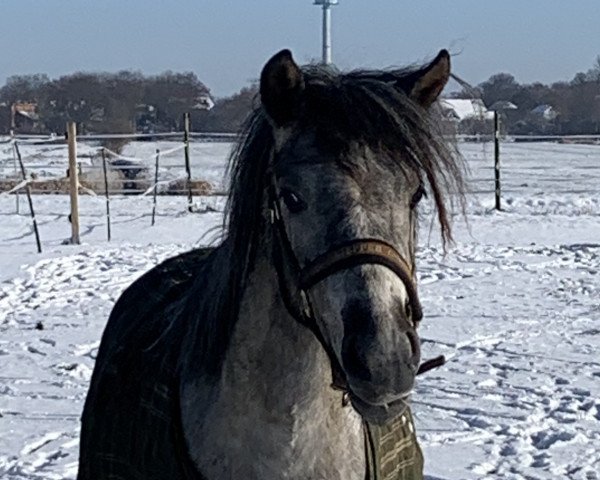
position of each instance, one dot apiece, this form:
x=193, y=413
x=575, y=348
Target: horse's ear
x=281, y=86
x=425, y=85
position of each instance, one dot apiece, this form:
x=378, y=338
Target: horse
x=290, y=349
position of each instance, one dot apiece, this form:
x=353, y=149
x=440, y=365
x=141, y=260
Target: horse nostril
x=415, y=347
x=354, y=360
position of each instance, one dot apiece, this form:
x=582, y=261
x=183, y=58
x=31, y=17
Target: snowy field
x=49, y=161
x=514, y=305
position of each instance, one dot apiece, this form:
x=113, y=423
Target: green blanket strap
x=393, y=452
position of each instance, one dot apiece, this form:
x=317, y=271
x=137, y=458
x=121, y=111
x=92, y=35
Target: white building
x=459, y=109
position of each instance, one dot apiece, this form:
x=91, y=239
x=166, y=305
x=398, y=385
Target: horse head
x=352, y=157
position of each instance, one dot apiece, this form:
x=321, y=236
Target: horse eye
x=416, y=198
x=292, y=201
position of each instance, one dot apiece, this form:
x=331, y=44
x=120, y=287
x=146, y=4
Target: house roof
x=27, y=110
x=27, y=114
x=503, y=105
x=541, y=109
x=463, y=108
x=204, y=102
x=545, y=111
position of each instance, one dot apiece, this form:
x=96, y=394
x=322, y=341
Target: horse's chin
x=380, y=413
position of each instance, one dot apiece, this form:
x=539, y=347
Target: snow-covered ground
x=50, y=161
x=514, y=305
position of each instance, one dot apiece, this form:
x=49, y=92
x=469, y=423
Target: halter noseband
x=361, y=252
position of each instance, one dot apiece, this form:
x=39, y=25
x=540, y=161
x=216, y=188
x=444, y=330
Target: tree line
x=122, y=102
x=560, y=108
x=132, y=102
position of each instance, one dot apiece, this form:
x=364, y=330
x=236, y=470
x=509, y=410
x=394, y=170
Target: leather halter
x=295, y=280
x=361, y=252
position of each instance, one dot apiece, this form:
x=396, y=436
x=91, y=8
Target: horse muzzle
x=380, y=350
x=380, y=364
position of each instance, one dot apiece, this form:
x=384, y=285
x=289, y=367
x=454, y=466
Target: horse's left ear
x=425, y=85
x=281, y=86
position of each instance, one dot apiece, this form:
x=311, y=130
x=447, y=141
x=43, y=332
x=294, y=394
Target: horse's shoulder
x=134, y=384
x=143, y=312
x=165, y=280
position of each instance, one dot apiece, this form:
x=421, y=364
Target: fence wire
x=532, y=169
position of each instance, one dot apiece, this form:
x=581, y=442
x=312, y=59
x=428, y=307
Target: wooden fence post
x=186, y=141
x=497, y=188
x=155, y=186
x=28, y=192
x=106, y=194
x=73, y=182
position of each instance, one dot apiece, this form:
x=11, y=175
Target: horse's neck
x=273, y=413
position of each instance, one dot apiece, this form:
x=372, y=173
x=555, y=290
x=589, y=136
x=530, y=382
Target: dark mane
x=361, y=106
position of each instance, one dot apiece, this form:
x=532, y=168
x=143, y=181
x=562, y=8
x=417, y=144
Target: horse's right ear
x=281, y=86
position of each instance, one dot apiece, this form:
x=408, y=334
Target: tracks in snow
x=518, y=398
x=519, y=395
x=51, y=319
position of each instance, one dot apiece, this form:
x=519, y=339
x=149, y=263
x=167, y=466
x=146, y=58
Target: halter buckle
x=305, y=305
x=274, y=212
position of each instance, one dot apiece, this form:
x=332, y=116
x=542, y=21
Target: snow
x=514, y=305
x=467, y=108
x=48, y=161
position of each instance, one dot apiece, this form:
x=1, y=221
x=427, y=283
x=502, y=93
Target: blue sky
x=226, y=42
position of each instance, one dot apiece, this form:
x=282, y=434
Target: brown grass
x=61, y=186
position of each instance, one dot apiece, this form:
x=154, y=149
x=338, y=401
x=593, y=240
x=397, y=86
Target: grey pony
x=205, y=370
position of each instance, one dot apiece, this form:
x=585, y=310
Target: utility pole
x=326, y=5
